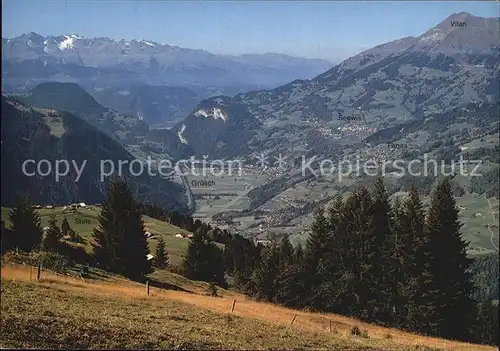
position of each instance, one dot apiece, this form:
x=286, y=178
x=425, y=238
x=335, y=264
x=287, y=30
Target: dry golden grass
x=210, y=316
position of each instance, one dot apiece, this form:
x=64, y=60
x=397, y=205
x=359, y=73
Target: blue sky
x=333, y=30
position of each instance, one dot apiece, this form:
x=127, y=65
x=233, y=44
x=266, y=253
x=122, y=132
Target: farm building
x=262, y=242
x=183, y=235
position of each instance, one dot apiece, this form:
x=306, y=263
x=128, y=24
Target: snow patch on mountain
x=66, y=43
x=215, y=113
x=179, y=134
x=146, y=42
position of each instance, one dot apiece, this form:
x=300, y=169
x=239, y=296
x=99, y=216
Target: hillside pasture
x=85, y=219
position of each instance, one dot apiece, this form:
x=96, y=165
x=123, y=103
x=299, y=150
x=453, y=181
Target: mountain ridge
x=391, y=83
x=46, y=134
x=126, y=129
x=159, y=64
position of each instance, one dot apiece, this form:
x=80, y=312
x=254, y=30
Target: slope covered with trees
x=31, y=134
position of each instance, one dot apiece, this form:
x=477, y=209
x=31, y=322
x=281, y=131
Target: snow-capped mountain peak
x=147, y=42
x=66, y=43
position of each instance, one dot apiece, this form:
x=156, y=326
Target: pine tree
x=65, y=228
x=486, y=325
x=382, y=282
x=25, y=226
x=5, y=239
x=119, y=242
x=298, y=255
x=204, y=260
x=286, y=250
x=240, y=260
x=212, y=289
x=75, y=237
x=51, y=241
x=161, y=257
x=266, y=275
x=416, y=305
x=452, y=278
x=315, y=267
x=354, y=242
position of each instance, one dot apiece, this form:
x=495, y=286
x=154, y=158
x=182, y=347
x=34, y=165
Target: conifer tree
x=204, y=260
x=452, y=277
x=5, y=239
x=298, y=255
x=266, y=276
x=161, y=256
x=382, y=280
x=65, y=228
x=241, y=258
x=286, y=250
x=486, y=325
x=288, y=278
x=26, y=227
x=119, y=242
x=51, y=241
x=355, y=245
x=316, y=267
x=415, y=303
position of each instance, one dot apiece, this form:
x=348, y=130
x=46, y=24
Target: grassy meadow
x=84, y=220
x=60, y=312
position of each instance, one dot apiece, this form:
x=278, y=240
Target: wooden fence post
x=293, y=320
x=38, y=270
x=31, y=273
x=330, y=326
x=147, y=287
x=232, y=307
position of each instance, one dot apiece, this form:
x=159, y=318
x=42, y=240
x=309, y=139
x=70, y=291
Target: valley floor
x=65, y=312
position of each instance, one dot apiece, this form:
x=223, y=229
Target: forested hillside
x=31, y=134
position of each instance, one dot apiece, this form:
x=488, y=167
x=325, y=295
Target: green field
x=480, y=222
x=225, y=192
x=84, y=220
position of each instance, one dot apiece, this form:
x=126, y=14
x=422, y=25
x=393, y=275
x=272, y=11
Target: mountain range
x=392, y=84
x=153, y=72
x=434, y=94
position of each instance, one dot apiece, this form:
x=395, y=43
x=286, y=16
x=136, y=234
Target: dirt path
x=494, y=222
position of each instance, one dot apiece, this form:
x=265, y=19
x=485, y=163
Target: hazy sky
x=333, y=30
